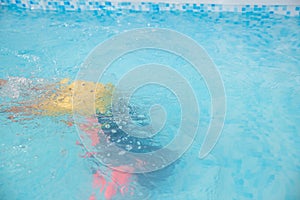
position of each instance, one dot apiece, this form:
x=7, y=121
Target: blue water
x=258, y=57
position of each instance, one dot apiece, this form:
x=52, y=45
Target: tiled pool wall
x=289, y=8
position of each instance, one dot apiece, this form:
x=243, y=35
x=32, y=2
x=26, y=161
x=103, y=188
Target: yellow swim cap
x=79, y=96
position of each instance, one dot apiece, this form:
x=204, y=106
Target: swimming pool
x=257, y=55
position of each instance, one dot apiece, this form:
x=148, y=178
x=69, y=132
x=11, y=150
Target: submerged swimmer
x=56, y=99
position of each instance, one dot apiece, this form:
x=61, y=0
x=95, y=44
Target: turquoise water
x=258, y=57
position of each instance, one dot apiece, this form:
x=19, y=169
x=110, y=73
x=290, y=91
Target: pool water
x=257, y=155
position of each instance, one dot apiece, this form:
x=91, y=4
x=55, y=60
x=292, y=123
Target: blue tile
x=256, y=10
x=155, y=7
x=125, y=3
x=61, y=8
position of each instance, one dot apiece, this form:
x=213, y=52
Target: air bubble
x=128, y=147
x=113, y=131
x=141, y=116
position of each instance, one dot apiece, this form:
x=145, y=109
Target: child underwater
x=55, y=99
